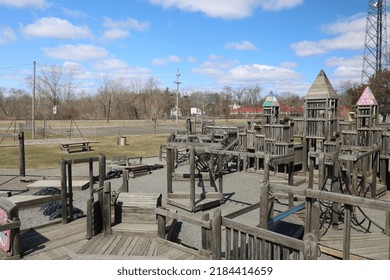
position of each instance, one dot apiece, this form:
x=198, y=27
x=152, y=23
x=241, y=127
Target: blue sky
x=280, y=45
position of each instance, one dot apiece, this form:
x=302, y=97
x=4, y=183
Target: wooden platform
x=76, y=184
x=202, y=201
x=30, y=201
x=129, y=247
x=363, y=245
x=68, y=241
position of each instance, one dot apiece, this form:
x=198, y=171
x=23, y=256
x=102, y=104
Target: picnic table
x=80, y=146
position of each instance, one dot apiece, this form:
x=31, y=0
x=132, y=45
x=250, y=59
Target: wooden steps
x=135, y=214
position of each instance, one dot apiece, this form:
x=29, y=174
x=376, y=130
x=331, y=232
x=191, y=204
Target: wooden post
x=310, y=251
x=205, y=234
x=264, y=190
x=311, y=172
x=102, y=170
x=89, y=234
x=70, y=192
x=64, y=192
x=244, y=163
x=216, y=231
x=374, y=175
x=169, y=170
x=22, y=160
x=304, y=151
x=102, y=178
x=220, y=175
x=107, y=208
x=91, y=179
x=291, y=183
x=347, y=232
x=90, y=201
x=388, y=229
x=321, y=171
x=192, y=178
x=309, y=216
x=267, y=158
x=162, y=223
x=125, y=181
x=16, y=246
x=336, y=187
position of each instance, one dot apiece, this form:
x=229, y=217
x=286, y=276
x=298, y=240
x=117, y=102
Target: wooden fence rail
x=244, y=242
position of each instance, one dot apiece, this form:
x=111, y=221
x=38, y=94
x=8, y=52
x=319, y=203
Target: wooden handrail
x=184, y=218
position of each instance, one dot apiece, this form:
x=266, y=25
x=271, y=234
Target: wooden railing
x=241, y=241
x=245, y=242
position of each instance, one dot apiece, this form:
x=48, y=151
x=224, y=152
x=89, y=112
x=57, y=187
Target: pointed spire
x=367, y=98
x=321, y=88
x=271, y=101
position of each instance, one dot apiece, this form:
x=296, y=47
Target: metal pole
x=33, y=101
x=177, y=95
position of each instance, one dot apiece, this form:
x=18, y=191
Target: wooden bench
x=135, y=214
x=81, y=146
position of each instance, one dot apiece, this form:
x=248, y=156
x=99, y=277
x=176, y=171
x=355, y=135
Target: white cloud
x=51, y=27
x=23, y=3
x=215, y=67
x=277, y=5
x=288, y=64
x=114, y=34
x=74, y=13
x=117, y=29
x=235, y=9
x=7, y=35
x=172, y=59
x=76, y=52
x=349, y=35
x=347, y=69
x=119, y=69
x=241, y=46
x=228, y=72
x=262, y=74
x=129, y=23
x=355, y=61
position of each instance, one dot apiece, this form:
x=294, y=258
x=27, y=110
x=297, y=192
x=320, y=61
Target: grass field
x=48, y=154
x=42, y=156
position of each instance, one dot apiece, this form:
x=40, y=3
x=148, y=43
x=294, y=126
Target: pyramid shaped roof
x=321, y=88
x=367, y=98
x=271, y=101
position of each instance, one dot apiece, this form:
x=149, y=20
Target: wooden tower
x=366, y=118
x=320, y=113
x=271, y=109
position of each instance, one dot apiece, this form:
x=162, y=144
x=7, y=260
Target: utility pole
x=33, y=101
x=375, y=45
x=177, y=95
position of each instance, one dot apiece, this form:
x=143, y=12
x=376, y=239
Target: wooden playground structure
x=330, y=173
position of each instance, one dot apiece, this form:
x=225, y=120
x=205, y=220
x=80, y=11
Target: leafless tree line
x=56, y=86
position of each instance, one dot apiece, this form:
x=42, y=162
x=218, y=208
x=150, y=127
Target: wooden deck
x=68, y=241
x=373, y=246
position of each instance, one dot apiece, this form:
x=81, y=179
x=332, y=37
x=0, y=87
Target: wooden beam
x=376, y=204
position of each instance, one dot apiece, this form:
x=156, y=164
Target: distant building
x=196, y=111
x=173, y=112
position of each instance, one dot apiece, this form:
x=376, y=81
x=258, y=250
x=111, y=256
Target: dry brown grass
x=41, y=156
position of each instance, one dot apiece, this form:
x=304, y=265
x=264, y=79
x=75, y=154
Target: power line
x=14, y=66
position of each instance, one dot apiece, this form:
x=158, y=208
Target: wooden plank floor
x=133, y=247
x=68, y=241
x=53, y=241
x=363, y=245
